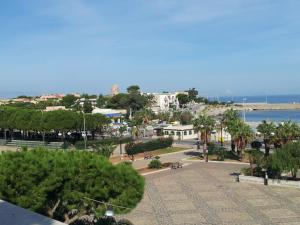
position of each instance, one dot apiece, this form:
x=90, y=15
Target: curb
x=220, y=162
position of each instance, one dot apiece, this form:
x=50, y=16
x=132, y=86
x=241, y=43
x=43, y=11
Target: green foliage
x=69, y=101
x=204, y=124
x=133, y=89
x=183, y=99
x=57, y=183
x=58, y=121
x=132, y=100
x=101, y=101
x=135, y=148
x=155, y=164
x=240, y=132
x=286, y=159
x=105, y=150
x=143, y=116
x=220, y=152
x=110, y=141
x=186, y=118
x=87, y=106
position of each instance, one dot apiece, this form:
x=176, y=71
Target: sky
x=220, y=47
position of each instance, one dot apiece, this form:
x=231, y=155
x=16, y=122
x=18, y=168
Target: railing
x=20, y=143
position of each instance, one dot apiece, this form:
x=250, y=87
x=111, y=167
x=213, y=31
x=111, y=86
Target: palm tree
x=231, y=120
x=243, y=135
x=204, y=124
x=268, y=131
x=286, y=132
x=240, y=132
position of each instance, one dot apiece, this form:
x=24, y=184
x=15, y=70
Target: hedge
x=112, y=141
x=135, y=148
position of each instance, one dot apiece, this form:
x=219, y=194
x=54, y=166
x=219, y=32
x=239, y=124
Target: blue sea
x=272, y=115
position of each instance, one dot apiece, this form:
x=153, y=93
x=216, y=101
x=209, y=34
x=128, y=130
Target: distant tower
x=115, y=90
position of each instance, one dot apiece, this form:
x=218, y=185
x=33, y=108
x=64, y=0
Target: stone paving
x=206, y=193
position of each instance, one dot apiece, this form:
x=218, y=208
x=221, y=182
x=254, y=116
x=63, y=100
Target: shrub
x=135, y=148
x=286, y=159
x=109, y=141
x=155, y=164
x=247, y=171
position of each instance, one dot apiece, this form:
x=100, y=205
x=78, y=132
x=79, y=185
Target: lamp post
x=84, y=130
x=42, y=120
x=2, y=111
x=222, y=142
x=244, y=99
x=109, y=214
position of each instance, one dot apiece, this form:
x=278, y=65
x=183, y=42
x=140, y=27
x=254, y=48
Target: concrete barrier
x=272, y=182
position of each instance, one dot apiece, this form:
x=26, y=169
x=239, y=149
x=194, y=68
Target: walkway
x=206, y=193
x=171, y=157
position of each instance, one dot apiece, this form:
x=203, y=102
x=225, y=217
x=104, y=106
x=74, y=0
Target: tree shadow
x=193, y=153
x=14, y=215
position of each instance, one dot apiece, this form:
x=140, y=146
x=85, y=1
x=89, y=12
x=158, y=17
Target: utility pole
x=84, y=130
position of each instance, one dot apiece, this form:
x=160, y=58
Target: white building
x=180, y=132
x=164, y=102
x=116, y=115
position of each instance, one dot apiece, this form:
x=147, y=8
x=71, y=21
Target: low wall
x=272, y=182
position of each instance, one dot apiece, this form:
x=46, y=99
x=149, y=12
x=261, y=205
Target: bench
x=176, y=165
x=148, y=155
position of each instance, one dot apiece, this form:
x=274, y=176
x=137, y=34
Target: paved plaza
x=206, y=193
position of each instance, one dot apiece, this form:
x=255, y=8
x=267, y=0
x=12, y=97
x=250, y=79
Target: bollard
x=266, y=178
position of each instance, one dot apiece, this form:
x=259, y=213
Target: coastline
x=219, y=110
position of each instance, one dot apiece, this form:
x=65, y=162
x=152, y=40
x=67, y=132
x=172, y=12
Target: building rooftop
x=13, y=215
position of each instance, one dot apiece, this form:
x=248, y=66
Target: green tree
x=105, y=150
x=60, y=184
x=286, y=159
x=69, y=101
x=286, y=132
x=204, y=124
x=183, y=99
x=101, y=101
x=186, y=118
x=87, y=106
x=192, y=93
x=268, y=132
x=133, y=89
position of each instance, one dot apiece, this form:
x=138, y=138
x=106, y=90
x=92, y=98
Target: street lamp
x=84, y=130
x=43, y=126
x=244, y=99
x=109, y=214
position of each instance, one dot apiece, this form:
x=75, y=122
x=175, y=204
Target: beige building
x=115, y=90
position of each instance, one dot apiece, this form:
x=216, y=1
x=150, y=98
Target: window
x=178, y=133
x=190, y=132
x=172, y=133
x=184, y=133
x=166, y=132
